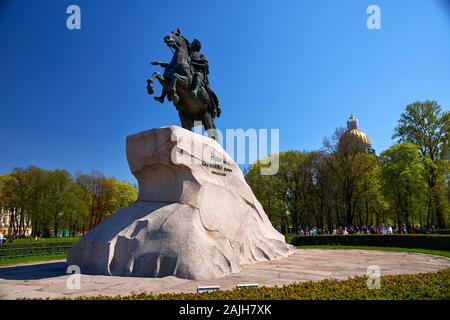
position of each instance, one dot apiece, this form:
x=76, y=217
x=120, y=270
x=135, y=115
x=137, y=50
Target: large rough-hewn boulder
x=195, y=217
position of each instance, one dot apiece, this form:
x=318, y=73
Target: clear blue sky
x=68, y=99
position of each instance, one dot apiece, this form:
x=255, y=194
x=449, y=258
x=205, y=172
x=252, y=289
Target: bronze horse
x=176, y=83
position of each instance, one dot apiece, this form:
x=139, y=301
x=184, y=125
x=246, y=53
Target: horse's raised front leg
x=160, y=78
x=161, y=98
x=150, y=86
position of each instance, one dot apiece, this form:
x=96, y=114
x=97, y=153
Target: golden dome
x=354, y=140
x=355, y=135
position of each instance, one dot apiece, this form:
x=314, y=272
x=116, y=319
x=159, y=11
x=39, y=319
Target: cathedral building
x=354, y=140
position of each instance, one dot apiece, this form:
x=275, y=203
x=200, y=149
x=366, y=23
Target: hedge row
x=425, y=286
x=31, y=240
x=437, y=242
x=37, y=248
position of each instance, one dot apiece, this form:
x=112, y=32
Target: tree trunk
x=367, y=214
x=56, y=224
x=438, y=212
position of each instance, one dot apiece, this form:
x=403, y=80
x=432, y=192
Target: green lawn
x=416, y=250
x=12, y=261
x=29, y=250
x=44, y=240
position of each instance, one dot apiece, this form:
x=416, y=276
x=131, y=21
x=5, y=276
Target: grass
x=32, y=250
x=43, y=258
x=413, y=250
x=43, y=240
x=425, y=286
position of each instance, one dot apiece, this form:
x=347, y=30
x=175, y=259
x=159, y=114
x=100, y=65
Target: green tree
x=19, y=190
x=290, y=175
x=426, y=125
x=372, y=204
x=59, y=182
x=93, y=185
x=403, y=172
x=352, y=169
x=52, y=199
x=267, y=190
x=6, y=201
x=37, y=205
x=104, y=195
x=75, y=209
x=123, y=194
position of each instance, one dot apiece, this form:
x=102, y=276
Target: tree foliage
x=427, y=126
x=404, y=182
x=49, y=201
x=408, y=183
x=310, y=189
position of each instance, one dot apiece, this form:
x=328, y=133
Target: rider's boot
x=218, y=111
x=197, y=84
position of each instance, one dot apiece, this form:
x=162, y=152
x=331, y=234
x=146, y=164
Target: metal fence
x=9, y=251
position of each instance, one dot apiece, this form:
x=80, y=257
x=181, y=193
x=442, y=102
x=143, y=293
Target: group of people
x=356, y=229
x=12, y=238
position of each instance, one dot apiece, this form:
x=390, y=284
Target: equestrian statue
x=185, y=83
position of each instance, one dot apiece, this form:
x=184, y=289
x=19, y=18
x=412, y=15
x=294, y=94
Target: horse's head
x=175, y=40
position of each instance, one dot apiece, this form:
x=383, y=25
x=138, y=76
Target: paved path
x=48, y=279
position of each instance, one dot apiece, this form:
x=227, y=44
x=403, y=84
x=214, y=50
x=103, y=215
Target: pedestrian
x=389, y=230
x=2, y=237
x=433, y=230
x=405, y=229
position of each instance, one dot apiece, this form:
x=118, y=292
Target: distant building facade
x=5, y=223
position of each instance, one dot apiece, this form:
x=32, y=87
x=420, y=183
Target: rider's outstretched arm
x=162, y=64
